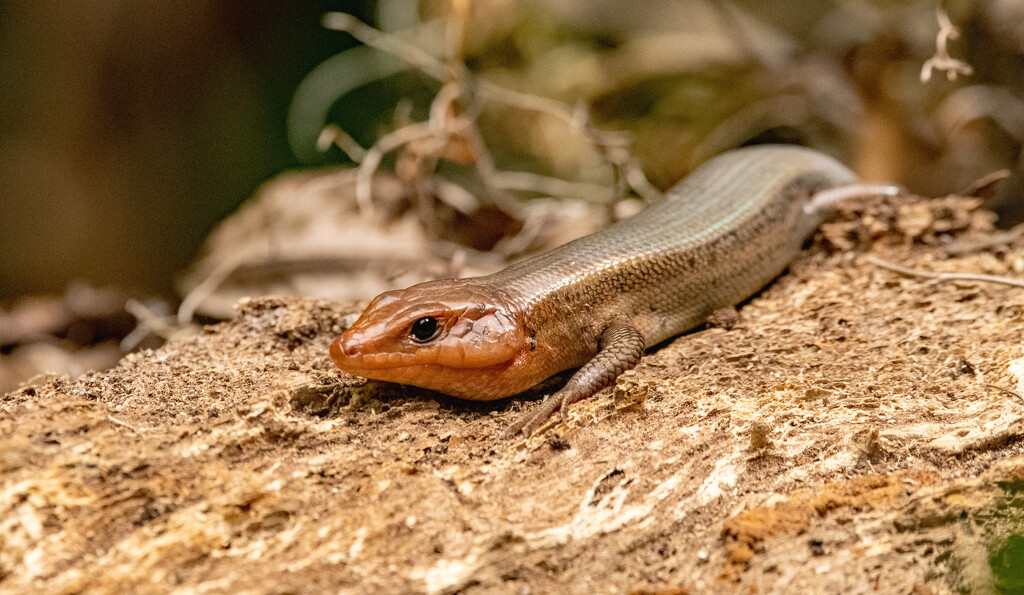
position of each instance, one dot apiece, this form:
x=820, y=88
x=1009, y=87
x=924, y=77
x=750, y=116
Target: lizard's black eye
x=424, y=329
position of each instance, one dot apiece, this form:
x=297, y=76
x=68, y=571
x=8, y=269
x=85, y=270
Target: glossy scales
x=720, y=235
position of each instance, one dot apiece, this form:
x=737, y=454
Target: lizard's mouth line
x=355, y=361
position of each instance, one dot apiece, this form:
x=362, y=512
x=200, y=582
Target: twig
x=441, y=106
x=436, y=69
x=523, y=181
x=454, y=196
x=530, y=182
x=384, y=145
x=442, y=128
x=149, y=322
x=612, y=145
x=436, y=126
x=340, y=21
x=207, y=286
x=1007, y=390
x=942, y=60
x=577, y=119
x=937, y=277
x=984, y=182
x=455, y=32
x=332, y=134
x=638, y=181
x=118, y=422
x=992, y=240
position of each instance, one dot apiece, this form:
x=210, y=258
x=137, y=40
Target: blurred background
x=128, y=129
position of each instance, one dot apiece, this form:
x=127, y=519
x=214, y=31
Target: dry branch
x=938, y=277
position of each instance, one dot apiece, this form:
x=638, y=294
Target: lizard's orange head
x=449, y=336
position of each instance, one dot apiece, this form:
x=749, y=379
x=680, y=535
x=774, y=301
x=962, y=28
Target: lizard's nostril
x=342, y=348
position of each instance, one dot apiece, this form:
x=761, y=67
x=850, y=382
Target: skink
x=596, y=303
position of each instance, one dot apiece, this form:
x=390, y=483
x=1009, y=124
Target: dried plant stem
x=942, y=61
x=371, y=161
x=938, y=277
x=1007, y=390
x=611, y=145
x=334, y=135
x=208, y=285
x=429, y=65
